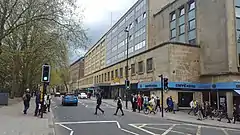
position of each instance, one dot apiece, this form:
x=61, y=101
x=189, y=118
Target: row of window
x=141, y=5
x=140, y=32
x=140, y=45
x=237, y=15
x=118, y=73
x=177, y=23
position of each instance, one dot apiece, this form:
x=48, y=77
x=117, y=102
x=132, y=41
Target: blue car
x=70, y=99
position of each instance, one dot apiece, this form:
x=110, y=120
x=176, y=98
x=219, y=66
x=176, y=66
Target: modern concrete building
x=76, y=73
x=192, y=42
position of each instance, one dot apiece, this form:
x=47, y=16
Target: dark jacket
x=37, y=100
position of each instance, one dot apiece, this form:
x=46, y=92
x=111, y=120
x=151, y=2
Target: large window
x=105, y=77
x=116, y=73
x=181, y=24
x=173, y=31
x=133, y=69
x=191, y=23
x=140, y=67
x=121, y=73
x=108, y=76
x=237, y=13
x=149, y=65
x=112, y=75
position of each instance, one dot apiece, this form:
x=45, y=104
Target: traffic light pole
x=44, y=93
x=162, y=89
x=127, y=71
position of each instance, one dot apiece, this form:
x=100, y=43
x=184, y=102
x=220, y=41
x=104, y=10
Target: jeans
x=26, y=106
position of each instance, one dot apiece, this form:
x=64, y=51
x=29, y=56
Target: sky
x=97, y=17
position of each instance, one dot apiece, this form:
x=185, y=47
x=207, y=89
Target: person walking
x=119, y=106
x=49, y=98
x=139, y=103
x=158, y=104
x=99, y=102
x=224, y=114
x=26, y=100
x=37, y=101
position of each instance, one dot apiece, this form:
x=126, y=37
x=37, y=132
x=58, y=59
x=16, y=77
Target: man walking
x=119, y=106
x=99, y=102
x=26, y=100
x=37, y=101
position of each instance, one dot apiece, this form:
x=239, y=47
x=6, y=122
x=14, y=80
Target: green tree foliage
x=34, y=32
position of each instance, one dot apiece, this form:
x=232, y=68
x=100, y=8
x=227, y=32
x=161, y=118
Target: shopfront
x=184, y=92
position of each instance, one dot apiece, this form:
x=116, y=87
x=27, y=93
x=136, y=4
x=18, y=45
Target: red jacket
x=139, y=101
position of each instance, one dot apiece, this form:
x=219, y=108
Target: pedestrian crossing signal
x=46, y=73
x=165, y=83
x=127, y=84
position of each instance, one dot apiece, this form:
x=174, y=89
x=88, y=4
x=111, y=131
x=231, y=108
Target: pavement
x=14, y=122
x=80, y=120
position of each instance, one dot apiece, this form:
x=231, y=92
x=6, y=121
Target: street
x=80, y=120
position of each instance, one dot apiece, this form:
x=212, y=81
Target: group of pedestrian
x=45, y=105
x=205, y=110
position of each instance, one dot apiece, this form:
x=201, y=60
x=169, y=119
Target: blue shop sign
x=149, y=85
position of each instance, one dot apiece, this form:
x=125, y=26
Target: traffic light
x=127, y=84
x=165, y=83
x=46, y=73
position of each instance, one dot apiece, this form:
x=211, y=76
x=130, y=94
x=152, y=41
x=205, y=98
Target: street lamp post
x=127, y=31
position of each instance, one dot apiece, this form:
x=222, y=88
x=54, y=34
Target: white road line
x=224, y=131
x=169, y=124
x=144, y=130
x=65, y=127
x=86, y=106
x=129, y=131
x=55, y=107
x=71, y=133
x=169, y=129
x=118, y=124
x=143, y=125
x=162, y=129
x=198, y=130
x=85, y=122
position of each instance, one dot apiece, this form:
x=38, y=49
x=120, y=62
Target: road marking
x=55, y=107
x=169, y=129
x=86, y=106
x=71, y=131
x=198, y=130
x=118, y=124
x=144, y=130
x=129, y=131
x=143, y=125
x=85, y=122
x=224, y=131
x=162, y=129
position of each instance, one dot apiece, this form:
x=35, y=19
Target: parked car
x=70, y=99
x=83, y=96
x=57, y=94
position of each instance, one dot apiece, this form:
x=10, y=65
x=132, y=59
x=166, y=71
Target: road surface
x=80, y=120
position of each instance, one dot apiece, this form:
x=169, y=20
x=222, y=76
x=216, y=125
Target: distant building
x=76, y=73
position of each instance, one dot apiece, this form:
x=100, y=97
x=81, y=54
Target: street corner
x=93, y=127
x=184, y=129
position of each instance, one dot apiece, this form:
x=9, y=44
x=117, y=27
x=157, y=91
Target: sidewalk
x=183, y=117
x=14, y=122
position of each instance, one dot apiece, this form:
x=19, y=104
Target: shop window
x=133, y=69
x=184, y=98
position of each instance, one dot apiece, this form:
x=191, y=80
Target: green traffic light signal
x=45, y=73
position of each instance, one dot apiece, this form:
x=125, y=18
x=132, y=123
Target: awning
x=237, y=91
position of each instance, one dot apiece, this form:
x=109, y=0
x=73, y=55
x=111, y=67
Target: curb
x=51, y=122
x=204, y=124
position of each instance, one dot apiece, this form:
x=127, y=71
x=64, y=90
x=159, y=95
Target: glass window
x=191, y=35
x=116, y=73
x=149, y=64
x=173, y=33
x=112, y=75
x=140, y=67
x=144, y=43
x=181, y=11
x=121, y=73
x=237, y=11
x=238, y=23
x=192, y=5
x=181, y=20
x=192, y=25
x=237, y=2
x=144, y=15
x=173, y=16
x=132, y=69
x=182, y=29
x=191, y=15
x=182, y=38
x=173, y=39
x=108, y=76
x=172, y=25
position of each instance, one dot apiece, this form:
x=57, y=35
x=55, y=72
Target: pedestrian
x=158, y=104
x=38, y=102
x=224, y=114
x=139, y=103
x=134, y=102
x=99, y=102
x=119, y=106
x=49, y=98
x=26, y=100
x=235, y=113
x=192, y=107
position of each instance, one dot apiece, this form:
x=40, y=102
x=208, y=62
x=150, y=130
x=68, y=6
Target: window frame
x=133, y=71
x=140, y=63
x=121, y=72
x=147, y=65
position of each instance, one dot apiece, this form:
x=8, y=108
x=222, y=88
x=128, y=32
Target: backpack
x=24, y=97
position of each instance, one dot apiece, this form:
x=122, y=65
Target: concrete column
x=229, y=96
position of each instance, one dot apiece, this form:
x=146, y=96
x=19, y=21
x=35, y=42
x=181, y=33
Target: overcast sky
x=97, y=16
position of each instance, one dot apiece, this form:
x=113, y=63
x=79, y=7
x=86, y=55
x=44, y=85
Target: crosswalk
x=92, y=104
